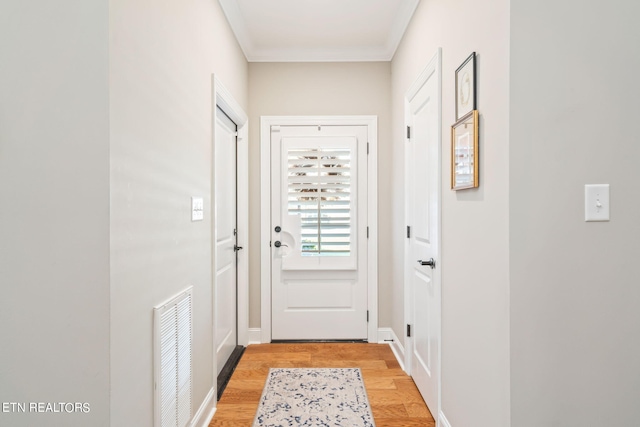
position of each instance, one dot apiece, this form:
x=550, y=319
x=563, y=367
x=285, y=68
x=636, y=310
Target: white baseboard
x=203, y=416
x=255, y=336
x=442, y=420
x=387, y=336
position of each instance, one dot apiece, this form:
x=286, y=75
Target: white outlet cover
x=197, y=209
x=596, y=202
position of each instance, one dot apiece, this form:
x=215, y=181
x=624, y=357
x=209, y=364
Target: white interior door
x=225, y=232
x=423, y=216
x=319, y=232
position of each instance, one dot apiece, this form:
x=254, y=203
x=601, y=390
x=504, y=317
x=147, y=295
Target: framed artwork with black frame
x=466, y=87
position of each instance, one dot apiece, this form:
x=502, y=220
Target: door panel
x=225, y=223
x=423, y=198
x=319, y=195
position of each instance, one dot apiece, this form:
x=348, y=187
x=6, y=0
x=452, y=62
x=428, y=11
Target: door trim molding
x=265, y=206
x=433, y=67
x=222, y=98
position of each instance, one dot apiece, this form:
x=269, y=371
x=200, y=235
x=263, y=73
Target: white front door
x=423, y=217
x=319, y=232
x=225, y=238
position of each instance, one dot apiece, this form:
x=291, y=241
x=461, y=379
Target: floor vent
x=172, y=361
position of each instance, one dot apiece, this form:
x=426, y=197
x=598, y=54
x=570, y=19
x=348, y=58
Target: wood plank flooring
x=394, y=398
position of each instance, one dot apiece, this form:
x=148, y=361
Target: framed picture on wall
x=466, y=87
x=464, y=152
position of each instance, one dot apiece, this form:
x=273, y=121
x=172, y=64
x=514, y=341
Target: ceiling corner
x=400, y=25
x=238, y=26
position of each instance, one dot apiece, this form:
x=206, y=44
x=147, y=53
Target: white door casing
x=320, y=283
x=221, y=97
x=226, y=230
x=423, y=201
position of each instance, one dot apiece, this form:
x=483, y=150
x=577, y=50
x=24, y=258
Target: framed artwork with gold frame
x=464, y=152
x=466, y=87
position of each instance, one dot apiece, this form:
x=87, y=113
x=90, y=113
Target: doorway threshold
x=316, y=341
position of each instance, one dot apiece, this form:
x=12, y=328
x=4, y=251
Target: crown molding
x=400, y=24
x=383, y=52
x=238, y=26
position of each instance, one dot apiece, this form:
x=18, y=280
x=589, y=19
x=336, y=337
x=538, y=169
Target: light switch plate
x=197, y=209
x=596, y=202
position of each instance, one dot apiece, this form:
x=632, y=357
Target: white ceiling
x=318, y=30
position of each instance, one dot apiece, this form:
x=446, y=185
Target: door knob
x=431, y=263
x=236, y=248
x=277, y=244
x=278, y=229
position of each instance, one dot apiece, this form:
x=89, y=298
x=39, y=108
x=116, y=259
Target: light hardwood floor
x=394, y=398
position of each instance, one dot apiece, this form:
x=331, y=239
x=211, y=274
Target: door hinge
x=367, y=232
x=409, y=331
x=408, y=232
x=408, y=132
x=367, y=148
x=235, y=232
x=367, y=316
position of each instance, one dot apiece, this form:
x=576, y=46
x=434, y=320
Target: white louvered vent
x=319, y=191
x=172, y=361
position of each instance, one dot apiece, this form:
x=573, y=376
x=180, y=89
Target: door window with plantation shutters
x=320, y=184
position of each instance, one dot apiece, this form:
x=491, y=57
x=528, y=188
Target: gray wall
x=575, y=297
x=54, y=209
x=161, y=61
x=475, y=254
x=105, y=134
x=279, y=89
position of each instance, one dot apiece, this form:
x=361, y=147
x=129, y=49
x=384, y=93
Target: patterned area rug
x=314, y=397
